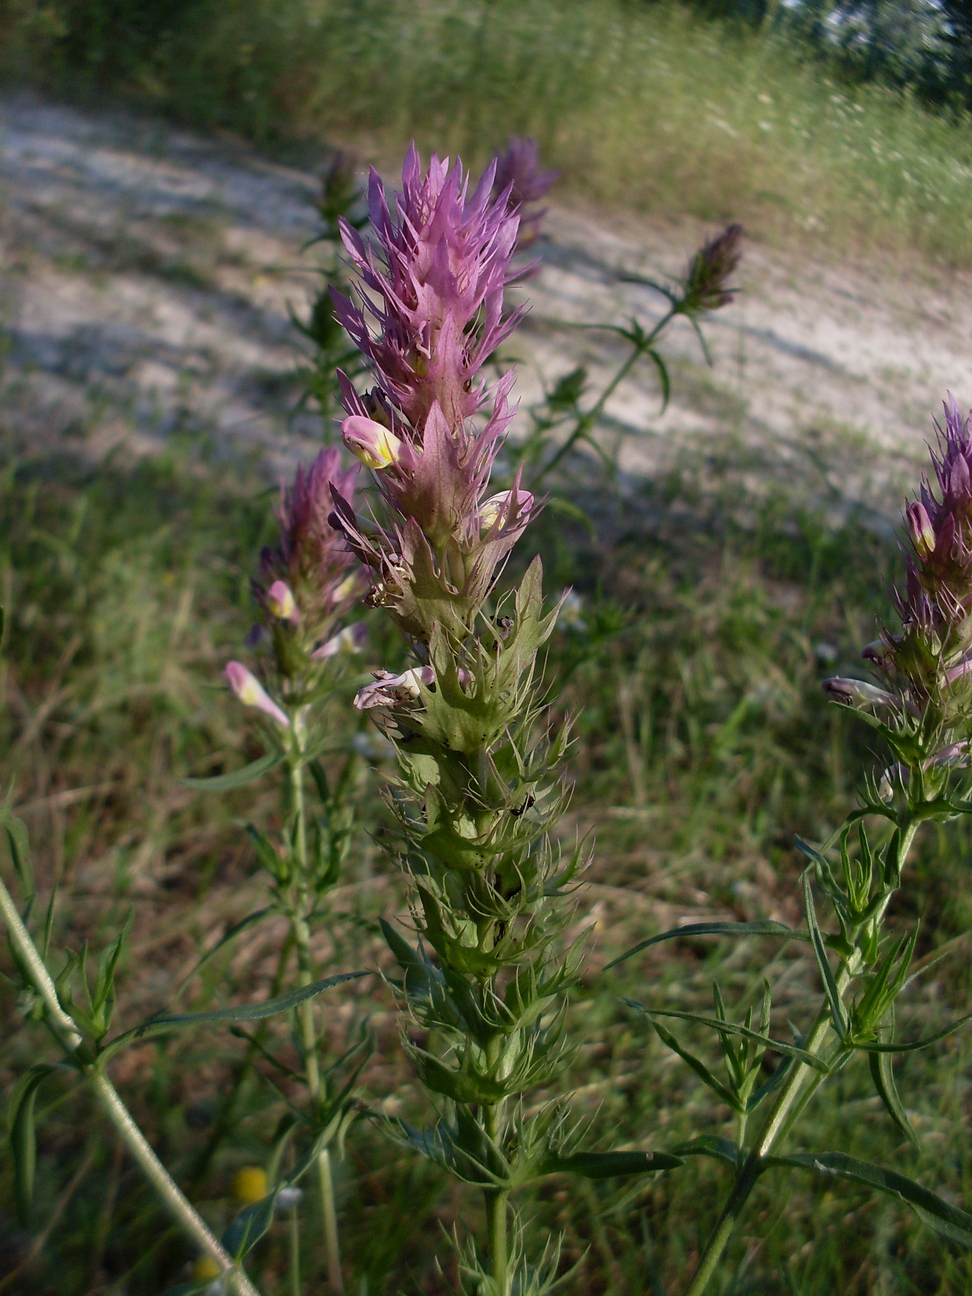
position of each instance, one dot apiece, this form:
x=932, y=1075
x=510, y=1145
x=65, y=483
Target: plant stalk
x=135, y=1141
x=496, y=1216
x=586, y=421
x=310, y=1039
x=787, y=1108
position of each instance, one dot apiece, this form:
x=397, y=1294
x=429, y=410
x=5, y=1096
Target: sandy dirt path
x=148, y=272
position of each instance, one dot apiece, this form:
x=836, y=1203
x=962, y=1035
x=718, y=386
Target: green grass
x=643, y=107
x=703, y=743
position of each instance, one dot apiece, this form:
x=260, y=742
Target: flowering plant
x=479, y=789
x=922, y=710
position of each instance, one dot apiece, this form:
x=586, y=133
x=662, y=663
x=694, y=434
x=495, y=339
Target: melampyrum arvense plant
x=922, y=710
x=480, y=785
x=308, y=585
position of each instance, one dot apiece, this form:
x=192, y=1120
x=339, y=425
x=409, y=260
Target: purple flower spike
x=438, y=271
x=940, y=529
x=312, y=561
x=439, y=277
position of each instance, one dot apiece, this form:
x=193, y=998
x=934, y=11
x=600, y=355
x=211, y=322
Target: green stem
x=775, y=1128
x=588, y=420
x=310, y=1039
x=799, y=1087
x=134, y=1140
x=294, y=1251
x=496, y=1216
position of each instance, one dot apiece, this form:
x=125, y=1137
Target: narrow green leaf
x=319, y=775
x=663, y=378
x=915, y=1045
x=699, y=1067
x=231, y=933
x=22, y=1134
x=775, y=1045
x=189, y=1288
x=823, y=963
x=237, y=778
x=882, y=1074
x=810, y=851
x=765, y=927
x=609, y=1165
x=19, y=844
x=241, y=1012
x=937, y=1213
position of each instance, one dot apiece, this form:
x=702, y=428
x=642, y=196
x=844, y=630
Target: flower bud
x=857, y=693
x=348, y=640
x=282, y=603
x=921, y=529
x=498, y=506
x=370, y=442
x=251, y=692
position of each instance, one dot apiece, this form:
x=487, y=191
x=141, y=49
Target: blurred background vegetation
x=842, y=123
x=692, y=657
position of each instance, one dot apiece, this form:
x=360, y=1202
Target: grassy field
x=703, y=744
x=707, y=614
x=644, y=107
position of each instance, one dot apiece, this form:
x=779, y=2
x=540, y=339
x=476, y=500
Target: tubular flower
x=348, y=640
x=438, y=272
x=251, y=693
x=374, y=444
x=281, y=602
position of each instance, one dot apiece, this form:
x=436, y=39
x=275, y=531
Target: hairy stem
x=496, y=1216
x=310, y=1038
x=156, y=1173
x=134, y=1140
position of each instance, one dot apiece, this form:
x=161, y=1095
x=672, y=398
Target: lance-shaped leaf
x=230, y=934
x=23, y=1136
x=699, y=1067
x=730, y=1028
x=236, y=778
x=873, y=1046
x=765, y=927
x=823, y=963
x=942, y=1216
x=882, y=1073
x=19, y=844
x=609, y=1165
x=241, y=1012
